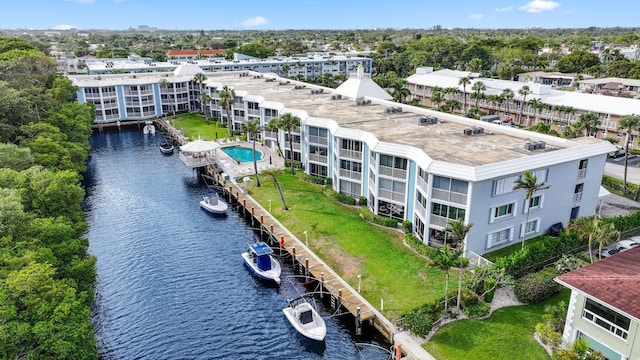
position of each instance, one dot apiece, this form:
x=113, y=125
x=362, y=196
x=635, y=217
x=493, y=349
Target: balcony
x=271, y=134
x=393, y=172
x=318, y=158
x=439, y=220
x=421, y=210
x=253, y=112
x=449, y=196
x=318, y=140
x=422, y=185
x=352, y=154
x=296, y=146
x=351, y=174
x=391, y=195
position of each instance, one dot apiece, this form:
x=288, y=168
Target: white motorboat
x=259, y=260
x=212, y=203
x=305, y=319
x=149, y=129
x=166, y=148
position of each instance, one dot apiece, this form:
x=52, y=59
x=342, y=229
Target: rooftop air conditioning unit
x=398, y=109
x=528, y=146
x=467, y=131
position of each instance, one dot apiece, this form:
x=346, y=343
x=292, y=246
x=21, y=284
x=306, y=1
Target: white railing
x=350, y=174
x=422, y=185
x=296, y=146
x=449, y=196
x=438, y=220
x=318, y=140
x=271, y=134
x=391, y=195
x=421, y=210
x=605, y=324
x=577, y=197
x=393, y=172
x=253, y=112
x=318, y=158
x=351, y=154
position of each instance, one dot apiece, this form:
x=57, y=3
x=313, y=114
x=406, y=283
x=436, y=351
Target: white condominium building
x=409, y=163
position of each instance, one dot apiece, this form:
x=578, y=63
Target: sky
x=316, y=14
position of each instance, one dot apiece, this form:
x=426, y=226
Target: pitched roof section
x=361, y=85
x=613, y=281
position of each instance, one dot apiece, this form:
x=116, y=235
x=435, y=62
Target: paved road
x=614, y=205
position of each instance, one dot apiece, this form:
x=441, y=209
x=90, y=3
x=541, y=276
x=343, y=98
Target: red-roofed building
x=605, y=305
x=193, y=54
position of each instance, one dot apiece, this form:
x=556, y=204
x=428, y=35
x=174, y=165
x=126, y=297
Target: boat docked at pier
x=212, y=203
x=166, y=148
x=260, y=262
x=305, y=319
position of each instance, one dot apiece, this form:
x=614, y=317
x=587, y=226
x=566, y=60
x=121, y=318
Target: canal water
x=171, y=282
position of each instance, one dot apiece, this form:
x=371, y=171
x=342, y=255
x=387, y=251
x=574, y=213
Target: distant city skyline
x=315, y=14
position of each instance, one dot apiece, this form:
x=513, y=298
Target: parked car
x=623, y=245
x=606, y=252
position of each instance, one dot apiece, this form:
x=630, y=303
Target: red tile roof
x=194, y=52
x=614, y=281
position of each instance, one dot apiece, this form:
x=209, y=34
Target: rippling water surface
x=171, y=282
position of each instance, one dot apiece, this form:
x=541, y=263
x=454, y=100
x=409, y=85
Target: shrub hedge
x=377, y=219
x=478, y=310
x=535, y=287
x=345, y=199
x=535, y=256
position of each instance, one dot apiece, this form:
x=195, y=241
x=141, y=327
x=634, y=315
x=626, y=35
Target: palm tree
x=459, y=231
x=586, y=227
x=274, y=125
x=495, y=101
x=204, y=99
x=227, y=98
x=288, y=121
x=529, y=183
x=605, y=235
x=628, y=123
x=165, y=84
x=399, y=91
x=464, y=81
x=285, y=69
x=587, y=121
x=507, y=94
x=537, y=106
x=274, y=174
x=253, y=129
x=199, y=79
x=579, y=350
x=478, y=91
x=437, y=97
x=524, y=91
x=451, y=105
x=444, y=261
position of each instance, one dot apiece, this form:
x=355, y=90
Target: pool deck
x=235, y=170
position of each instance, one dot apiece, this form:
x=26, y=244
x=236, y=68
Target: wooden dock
x=343, y=294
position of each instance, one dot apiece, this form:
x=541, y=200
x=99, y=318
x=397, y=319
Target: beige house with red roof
x=605, y=305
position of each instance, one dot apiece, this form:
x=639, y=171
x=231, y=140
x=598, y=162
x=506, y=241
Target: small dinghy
x=212, y=203
x=259, y=260
x=305, y=319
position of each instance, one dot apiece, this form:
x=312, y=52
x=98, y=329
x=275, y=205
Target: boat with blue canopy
x=262, y=264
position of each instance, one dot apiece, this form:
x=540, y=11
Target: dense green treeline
x=46, y=276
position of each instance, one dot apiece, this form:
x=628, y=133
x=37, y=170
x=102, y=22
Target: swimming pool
x=241, y=153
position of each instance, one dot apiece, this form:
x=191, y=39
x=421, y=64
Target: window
x=533, y=226
x=582, y=168
x=319, y=132
x=534, y=203
x=501, y=212
x=449, y=212
x=505, y=185
x=499, y=237
x=541, y=175
x=606, y=318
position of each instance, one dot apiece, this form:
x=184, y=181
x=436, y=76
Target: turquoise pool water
x=241, y=153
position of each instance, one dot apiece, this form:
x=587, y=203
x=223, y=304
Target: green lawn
x=352, y=246
x=193, y=126
x=507, y=334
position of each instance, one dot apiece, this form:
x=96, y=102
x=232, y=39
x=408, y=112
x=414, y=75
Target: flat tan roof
x=443, y=141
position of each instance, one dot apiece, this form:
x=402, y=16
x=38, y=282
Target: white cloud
x=64, y=27
x=504, y=9
x=537, y=6
x=475, y=16
x=256, y=21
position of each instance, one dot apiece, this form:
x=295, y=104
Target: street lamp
x=269, y=205
x=306, y=238
x=359, y=282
